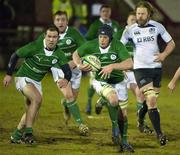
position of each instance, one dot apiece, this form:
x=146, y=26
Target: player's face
x=103, y=41
x=131, y=20
x=51, y=39
x=105, y=13
x=61, y=22
x=142, y=16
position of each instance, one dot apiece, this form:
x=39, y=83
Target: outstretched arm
x=172, y=83
x=11, y=66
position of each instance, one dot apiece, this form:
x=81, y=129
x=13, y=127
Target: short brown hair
x=51, y=28
x=105, y=6
x=60, y=13
x=147, y=5
x=132, y=13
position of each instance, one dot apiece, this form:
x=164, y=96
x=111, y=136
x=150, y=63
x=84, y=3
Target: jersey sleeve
x=27, y=50
x=79, y=38
x=92, y=32
x=85, y=49
x=125, y=36
x=164, y=34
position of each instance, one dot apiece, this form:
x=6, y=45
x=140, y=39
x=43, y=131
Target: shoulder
x=155, y=23
x=116, y=43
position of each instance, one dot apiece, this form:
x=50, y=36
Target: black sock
x=142, y=112
x=120, y=121
x=155, y=120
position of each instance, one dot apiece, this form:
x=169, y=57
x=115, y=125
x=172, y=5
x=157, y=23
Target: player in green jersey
x=105, y=18
x=109, y=81
x=39, y=58
x=69, y=40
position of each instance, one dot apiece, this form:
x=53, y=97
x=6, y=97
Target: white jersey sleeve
x=164, y=34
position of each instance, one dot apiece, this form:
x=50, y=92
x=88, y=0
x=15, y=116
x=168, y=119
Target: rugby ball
x=93, y=61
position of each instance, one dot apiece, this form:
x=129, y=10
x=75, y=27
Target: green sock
x=74, y=110
x=139, y=106
x=17, y=134
x=125, y=127
x=28, y=130
x=91, y=92
x=113, y=113
x=63, y=102
x=103, y=101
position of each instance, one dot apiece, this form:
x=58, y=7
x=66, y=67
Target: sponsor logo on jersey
x=145, y=39
x=68, y=41
x=142, y=82
x=39, y=58
x=137, y=33
x=54, y=61
x=113, y=57
x=68, y=54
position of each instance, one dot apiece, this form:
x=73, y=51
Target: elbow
x=130, y=64
x=173, y=45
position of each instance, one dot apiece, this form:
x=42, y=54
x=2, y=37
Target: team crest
x=54, y=61
x=152, y=30
x=68, y=41
x=113, y=57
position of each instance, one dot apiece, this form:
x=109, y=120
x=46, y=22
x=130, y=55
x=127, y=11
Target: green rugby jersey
x=116, y=53
x=93, y=29
x=70, y=42
x=36, y=63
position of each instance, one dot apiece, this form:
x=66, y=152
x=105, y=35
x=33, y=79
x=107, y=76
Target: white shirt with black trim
x=145, y=40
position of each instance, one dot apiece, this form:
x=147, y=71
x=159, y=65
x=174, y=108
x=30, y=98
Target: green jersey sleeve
x=27, y=50
x=80, y=40
x=93, y=29
x=88, y=48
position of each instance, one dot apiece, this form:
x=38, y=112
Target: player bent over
x=39, y=58
x=109, y=81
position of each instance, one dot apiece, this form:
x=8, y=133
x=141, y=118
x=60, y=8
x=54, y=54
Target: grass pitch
x=53, y=137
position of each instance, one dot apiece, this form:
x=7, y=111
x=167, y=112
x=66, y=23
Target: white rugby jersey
x=145, y=42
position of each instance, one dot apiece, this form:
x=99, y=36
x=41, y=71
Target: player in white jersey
x=131, y=81
x=147, y=59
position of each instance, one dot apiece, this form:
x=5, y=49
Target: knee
x=37, y=100
x=113, y=100
x=69, y=97
x=150, y=96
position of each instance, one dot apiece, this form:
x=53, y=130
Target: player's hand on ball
x=85, y=67
x=106, y=71
x=7, y=80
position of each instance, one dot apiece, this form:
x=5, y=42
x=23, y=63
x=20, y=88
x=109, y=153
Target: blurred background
x=23, y=20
